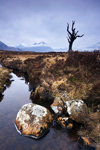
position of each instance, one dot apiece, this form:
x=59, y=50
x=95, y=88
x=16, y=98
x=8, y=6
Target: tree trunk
x=70, y=46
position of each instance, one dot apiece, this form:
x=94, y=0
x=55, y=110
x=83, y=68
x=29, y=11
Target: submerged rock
x=86, y=143
x=65, y=122
x=33, y=120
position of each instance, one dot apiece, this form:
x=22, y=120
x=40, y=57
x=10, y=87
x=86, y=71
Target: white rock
x=33, y=120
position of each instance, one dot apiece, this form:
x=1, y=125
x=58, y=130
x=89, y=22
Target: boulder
x=77, y=110
x=41, y=95
x=33, y=120
x=57, y=106
x=65, y=122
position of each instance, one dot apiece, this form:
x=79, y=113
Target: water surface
x=14, y=98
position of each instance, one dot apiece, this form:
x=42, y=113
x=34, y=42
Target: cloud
x=29, y=21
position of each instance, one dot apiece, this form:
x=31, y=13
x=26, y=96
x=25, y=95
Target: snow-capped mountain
x=21, y=46
x=36, y=47
x=42, y=43
x=43, y=47
x=5, y=47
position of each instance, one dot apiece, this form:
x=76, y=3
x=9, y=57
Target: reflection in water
x=1, y=97
x=8, y=83
x=22, y=76
x=14, y=98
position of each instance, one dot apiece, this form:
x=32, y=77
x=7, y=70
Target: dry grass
x=92, y=127
x=78, y=74
x=4, y=78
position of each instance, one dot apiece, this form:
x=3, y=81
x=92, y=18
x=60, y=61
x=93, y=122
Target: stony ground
x=78, y=74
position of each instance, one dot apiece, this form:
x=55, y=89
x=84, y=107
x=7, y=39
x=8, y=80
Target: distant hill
x=61, y=49
x=43, y=47
x=3, y=46
x=36, y=47
x=94, y=47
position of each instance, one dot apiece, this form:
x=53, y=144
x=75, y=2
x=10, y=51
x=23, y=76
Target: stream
x=14, y=98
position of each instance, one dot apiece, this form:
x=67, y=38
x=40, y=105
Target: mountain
x=3, y=46
x=94, y=47
x=36, y=47
x=43, y=47
x=61, y=50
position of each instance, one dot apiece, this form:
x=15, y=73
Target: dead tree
x=72, y=36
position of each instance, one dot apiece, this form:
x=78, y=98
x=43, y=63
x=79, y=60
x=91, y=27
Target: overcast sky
x=30, y=21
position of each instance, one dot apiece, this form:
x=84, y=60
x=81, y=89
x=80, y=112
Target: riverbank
x=49, y=73
x=4, y=79
x=78, y=74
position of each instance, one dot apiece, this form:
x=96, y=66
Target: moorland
x=77, y=73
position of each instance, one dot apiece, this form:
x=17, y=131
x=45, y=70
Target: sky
x=30, y=21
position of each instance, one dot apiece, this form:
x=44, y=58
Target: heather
x=77, y=73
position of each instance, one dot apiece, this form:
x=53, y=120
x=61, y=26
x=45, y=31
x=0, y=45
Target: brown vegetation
x=4, y=79
x=78, y=74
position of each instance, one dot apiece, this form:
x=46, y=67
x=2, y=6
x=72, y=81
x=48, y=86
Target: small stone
x=65, y=122
x=70, y=126
x=57, y=106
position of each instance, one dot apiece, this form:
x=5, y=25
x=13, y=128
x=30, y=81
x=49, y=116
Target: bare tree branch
x=68, y=29
x=73, y=29
x=76, y=33
x=80, y=35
